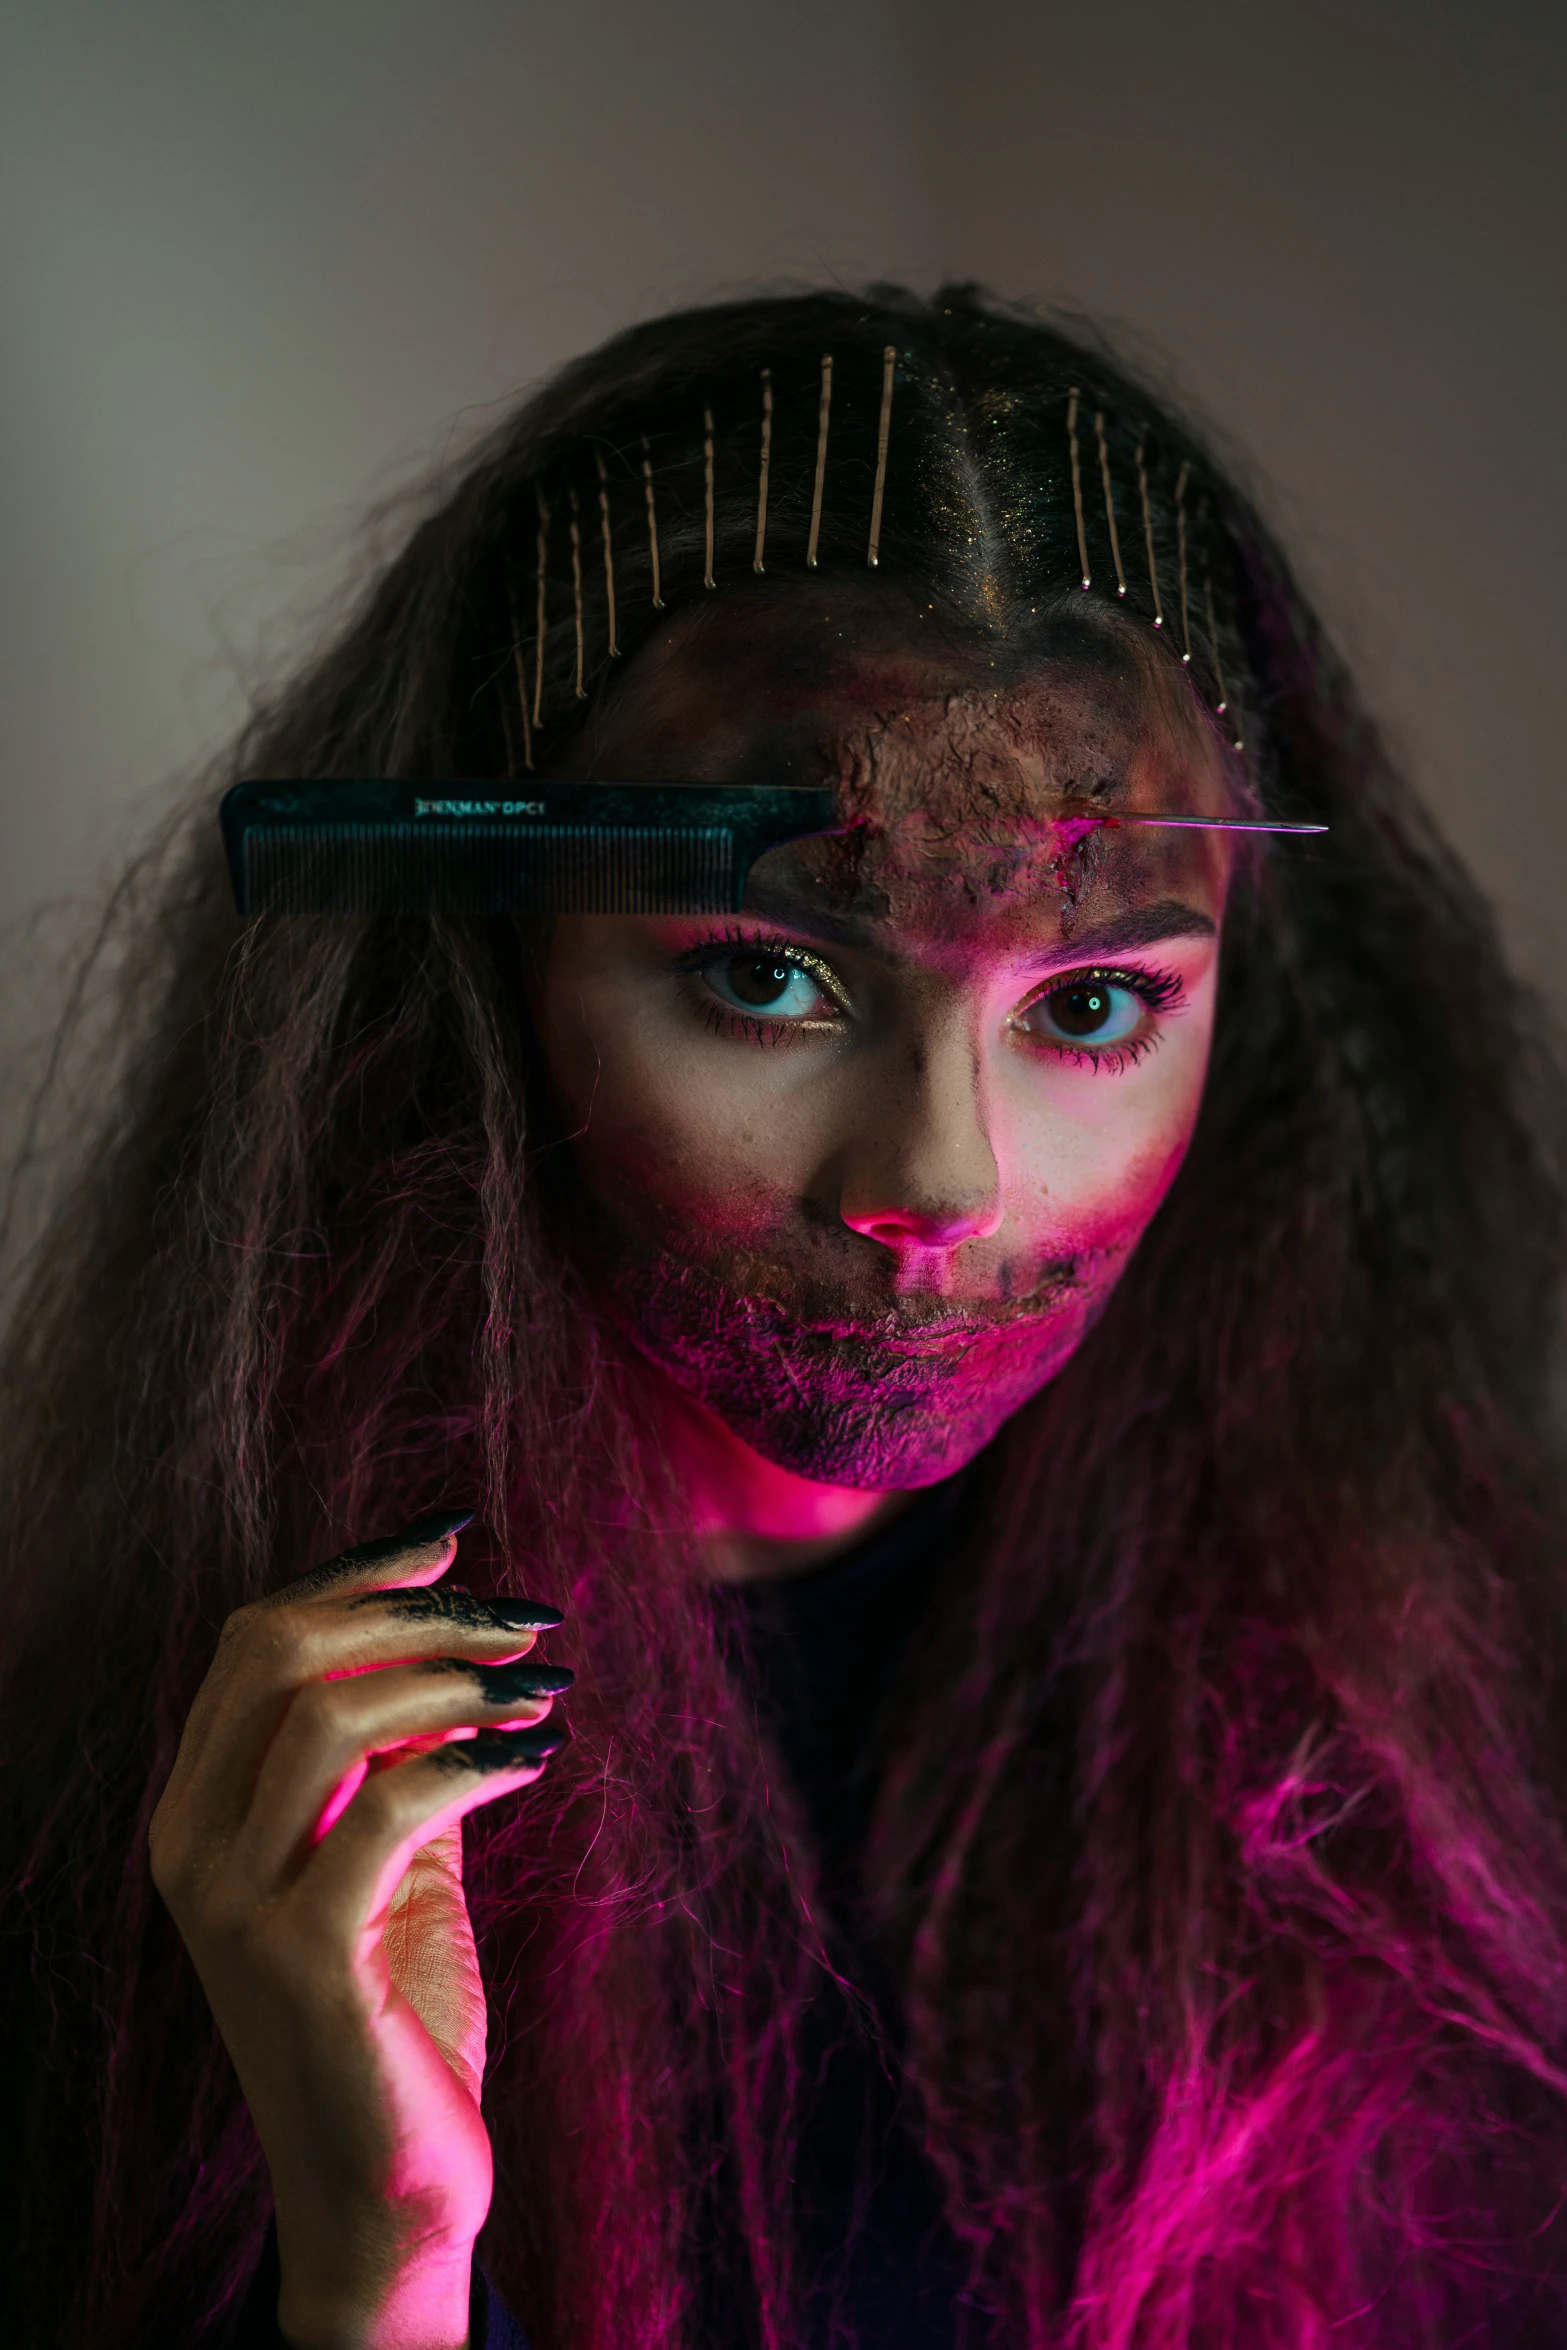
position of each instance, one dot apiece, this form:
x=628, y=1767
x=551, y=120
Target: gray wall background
x=262, y=263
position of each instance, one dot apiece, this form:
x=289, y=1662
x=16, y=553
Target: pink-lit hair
x=1219, y=1854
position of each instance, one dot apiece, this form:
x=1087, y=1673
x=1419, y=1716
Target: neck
x=753, y=1519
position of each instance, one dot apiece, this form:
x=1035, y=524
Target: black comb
x=372, y=847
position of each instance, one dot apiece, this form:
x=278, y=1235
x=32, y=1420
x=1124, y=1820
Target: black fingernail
x=526, y=1615
x=502, y=1684
x=435, y=1525
x=442, y=1603
x=503, y=1750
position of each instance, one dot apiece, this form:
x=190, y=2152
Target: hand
x=309, y=1848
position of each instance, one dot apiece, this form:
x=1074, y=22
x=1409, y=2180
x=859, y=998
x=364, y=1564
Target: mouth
x=917, y=1333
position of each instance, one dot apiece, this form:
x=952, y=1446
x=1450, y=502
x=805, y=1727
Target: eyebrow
x=1139, y=926
x=1142, y=926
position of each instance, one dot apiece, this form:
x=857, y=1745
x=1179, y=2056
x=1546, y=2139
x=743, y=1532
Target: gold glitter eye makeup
x=762, y=987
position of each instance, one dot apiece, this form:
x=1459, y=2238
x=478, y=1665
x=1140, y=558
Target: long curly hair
x=1218, y=1858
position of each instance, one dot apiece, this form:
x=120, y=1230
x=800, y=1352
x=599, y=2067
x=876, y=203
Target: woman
x=1035, y=1432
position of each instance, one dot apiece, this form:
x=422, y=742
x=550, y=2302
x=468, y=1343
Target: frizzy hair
x=1219, y=1853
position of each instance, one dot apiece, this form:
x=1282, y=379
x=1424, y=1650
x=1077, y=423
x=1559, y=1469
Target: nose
x=916, y=1226
x=924, y=1174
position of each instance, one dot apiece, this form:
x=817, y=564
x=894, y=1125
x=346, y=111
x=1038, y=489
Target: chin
x=877, y=1427
x=877, y=1453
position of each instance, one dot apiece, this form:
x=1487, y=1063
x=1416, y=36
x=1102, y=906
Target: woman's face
x=860, y=1165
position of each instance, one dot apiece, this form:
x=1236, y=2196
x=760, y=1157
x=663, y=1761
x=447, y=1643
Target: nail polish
x=503, y=1684
x=435, y=1525
x=429, y=1603
x=526, y=1615
x=503, y=1750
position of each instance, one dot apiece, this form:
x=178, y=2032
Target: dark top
x=883, y=2270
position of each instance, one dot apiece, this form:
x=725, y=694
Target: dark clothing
x=883, y=2270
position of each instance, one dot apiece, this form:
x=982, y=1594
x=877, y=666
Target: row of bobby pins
x=531, y=697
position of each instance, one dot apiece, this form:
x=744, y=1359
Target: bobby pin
x=1181, y=480
x=538, y=650
x=707, y=475
x=609, y=553
x=1153, y=566
x=652, y=522
x=1104, y=475
x=1077, y=488
x=522, y=680
x=889, y=360
x=823, y=412
x=576, y=583
x=1223, y=701
x=1223, y=704
x=767, y=458
x=1221, y=707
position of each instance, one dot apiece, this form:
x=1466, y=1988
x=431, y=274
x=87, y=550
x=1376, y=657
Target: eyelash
x=1160, y=991
x=750, y=1027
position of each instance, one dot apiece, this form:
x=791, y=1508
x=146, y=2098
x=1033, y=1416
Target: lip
x=943, y=1333
x=947, y=1338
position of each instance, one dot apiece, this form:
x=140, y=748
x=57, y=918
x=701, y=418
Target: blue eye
x=767, y=984
x=1087, y=1011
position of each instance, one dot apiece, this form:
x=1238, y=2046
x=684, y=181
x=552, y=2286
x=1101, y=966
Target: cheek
x=1087, y=1157
x=673, y=1138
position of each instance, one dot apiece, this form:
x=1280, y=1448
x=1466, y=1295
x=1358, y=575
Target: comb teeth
x=374, y=846
x=385, y=867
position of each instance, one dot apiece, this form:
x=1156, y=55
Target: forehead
x=951, y=758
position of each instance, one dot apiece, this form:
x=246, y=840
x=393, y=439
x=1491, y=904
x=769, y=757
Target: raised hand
x=308, y=1846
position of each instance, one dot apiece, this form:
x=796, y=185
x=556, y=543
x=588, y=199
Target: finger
x=417, y=1553
x=285, y=1646
x=353, y=1874
x=423, y=1615
x=333, y=1730
x=266, y=1651
x=272, y=1653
